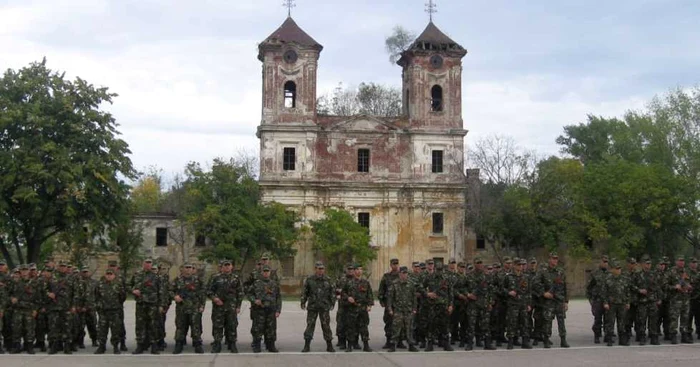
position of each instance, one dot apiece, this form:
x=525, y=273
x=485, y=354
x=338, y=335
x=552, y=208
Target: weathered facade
x=402, y=177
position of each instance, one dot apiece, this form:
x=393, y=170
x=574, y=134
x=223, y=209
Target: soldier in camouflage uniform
x=554, y=298
x=87, y=318
x=190, y=297
x=679, y=288
x=535, y=317
x=616, y=295
x=150, y=297
x=24, y=295
x=340, y=316
x=594, y=294
x=460, y=304
x=226, y=293
x=645, y=290
x=42, y=318
x=266, y=302
x=499, y=326
x=414, y=277
x=358, y=298
x=694, y=315
x=517, y=295
x=109, y=293
x=383, y=293
x=439, y=302
x=402, y=304
x=62, y=294
x=164, y=278
x=632, y=312
x=422, y=319
x=5, y=306
x=318, y=298
x=479, y=292
x=121, y=278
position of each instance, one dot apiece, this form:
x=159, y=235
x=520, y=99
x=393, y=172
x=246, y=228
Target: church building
x=402, y=177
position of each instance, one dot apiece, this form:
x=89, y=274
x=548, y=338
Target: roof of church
x=289, y=32
x=432, y=38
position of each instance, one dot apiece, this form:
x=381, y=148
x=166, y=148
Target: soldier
x=535, y=315
x=694, y=275
x=86, y=309
x=479, y=293
x=42, y=318
x=4, y=304
x=266, y=303
x=616, y=295
x=662, y=274
x=414, y=277
x=61, y=291
x=23, y=297
x=403, y=306
x=164, y=279
x=190, y=298
x=226, y=292
x=498, y=303
x=340, y=316
x=427, y=267
x=438, y=293
x=121, y=278
x=150, y=297
x=645, y=290
x=632, y=312
x=679, y=290
x=318, y=298
x=5, y=318
x=454, y=277
x=383, y=291
x=551, y=288
x=594, y=294
x=358, y=297
x=517, y=293
x=461, y=304
x=109, y=295
x=502, y=305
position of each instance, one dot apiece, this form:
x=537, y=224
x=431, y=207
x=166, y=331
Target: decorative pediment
x=362, y=123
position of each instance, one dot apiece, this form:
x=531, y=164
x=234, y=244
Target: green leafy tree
x=61, y=162
x=147, y=194
x=340, y=240
x=398, y=42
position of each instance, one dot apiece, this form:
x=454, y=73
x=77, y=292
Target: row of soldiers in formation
x=645, y=298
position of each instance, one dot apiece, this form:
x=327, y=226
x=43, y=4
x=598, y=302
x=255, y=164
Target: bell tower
x=290, y=60
x=432, y=80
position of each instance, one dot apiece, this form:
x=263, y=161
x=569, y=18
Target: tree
x=147, y=195
x=223, y=203
x=340, y=240
x=398, y=42
x=500, y=160
x=369, y=99
x=61, y=162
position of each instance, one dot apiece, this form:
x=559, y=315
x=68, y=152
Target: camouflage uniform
x=152, y=298
x=437, y=308
x=617, y=296
x=694, y=275
x=630, y=273
x=4, y=304
x=226, y=287
x=340, y=316
x=663, y=321
x=647, y=309
x=357, y=317
x=87, y=317
x=164, y=279
x=318, y=297
x=42, y=318
x=479, y=309
x=594, y=294
x=552, y=280
x=517, y=321
x=461, y=305
x=188, y=312
x=109, y=306
x=678, y=303
x=6, y=319
x=535, y=316
x=264, y=319
x=382, y=294
x=60, y=309
x=402, y=302
x=27, y=293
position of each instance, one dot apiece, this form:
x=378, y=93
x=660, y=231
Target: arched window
x=290, y=94
x=436, y=98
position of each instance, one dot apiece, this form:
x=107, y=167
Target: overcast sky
x=189, y=81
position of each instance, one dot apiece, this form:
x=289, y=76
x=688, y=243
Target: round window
x=290, y=56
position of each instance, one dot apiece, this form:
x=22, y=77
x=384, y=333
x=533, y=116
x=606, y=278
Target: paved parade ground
x=290, y=342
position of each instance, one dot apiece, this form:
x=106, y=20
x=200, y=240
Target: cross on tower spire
x=289, y=4
x=431, y=8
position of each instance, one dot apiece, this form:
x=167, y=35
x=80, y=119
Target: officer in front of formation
x=318, y=299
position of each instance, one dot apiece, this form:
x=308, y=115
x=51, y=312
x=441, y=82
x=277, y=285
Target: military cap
x=522, y=262
x=266, y=268
x=430, y=261
x=631, y=260
x=604, y=258
x=453, y=261
x=616, y=265
x=680, y=258
x=226, y=262
x=553, y=255
x=358, y=265
x=85, y=269
x=645, y=258
x=461, y=264
x=15, y=270
x=496, y=265
x=489, y=267
x=507, y=259
x=415, y=263
x=258, y=263
x=350, y=267
x=422, y=266
x=75, y=270
x=148, y=260
x=394, y=261
x=112, y=263
x=693, y=260
x=403, y=269
x=24, y=267
x=2, y=262
x=109, y=271
x=477, y=260
x=32, y=266
x=320, y=266
x=47, y=269
x=470, y=267
x=62, y=263
x=533, y=260
x=188, y=265
x=265, y=256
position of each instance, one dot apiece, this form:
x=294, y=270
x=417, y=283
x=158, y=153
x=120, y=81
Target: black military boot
x=178, y=348
x=216, y=348
x=526, y=344
x=116, y=349
x=510, y=344
x=329, y=346
x=348, y=347
x=516, y=341
x=256, y=346
x=488, y=344
x=122, y=346
x=462, y=344
x=53, y=348
x=447, y=346
x=412, y=348
x=232, y=347
x=199, y=349
x=624, y=340
x=546, y=343
x=307, y=346
x=366, y=347
x=81, y=343
x=655, y=340
x=139, y=348
x=642, y=340
x=387, y=345
x=479, y=342
x=341, y=344
x=400, y=345
x=563, y=343
x=271, y=347
x=392, y=348
x=155, y=349
x=429, y=346
x=535, y=341
x=94, y=343
x=67, y=348
x=596, y=339
x=674, y=339
x=30, y=348
x=101, y=349
x=2, y=350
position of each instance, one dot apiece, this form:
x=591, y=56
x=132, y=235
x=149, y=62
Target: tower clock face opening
x=290, y=56
x=436, y=61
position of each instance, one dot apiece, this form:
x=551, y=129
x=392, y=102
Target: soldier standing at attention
x=109, y=293
x=340, y=316
x=632, y=312
x=645, y=289
x=679, y=289
x=383, y=291
x=42, y=318
x=517, y=293
x=480, y=295
x=189, y=297
x=461, y=304
x=318, y=298
x=164, y=279
x=150, y=296
x=5, y=320
x=4, y=301
x=402, y=305
x=358, y=297
x=594, y=294
x=226, y=293
x=24, y=294
x=535, y=314
x=121, y=278
x=61, y=291
x=617, y=302
x=88, y=317
x=694, y=275
x=266, y=303
x=555, y=300
x=437, y=290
